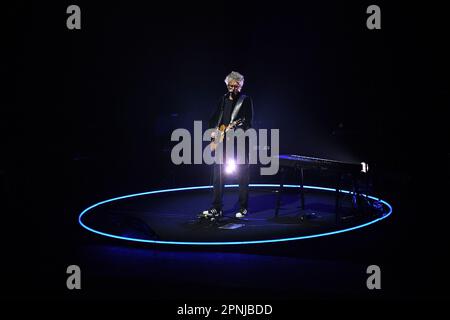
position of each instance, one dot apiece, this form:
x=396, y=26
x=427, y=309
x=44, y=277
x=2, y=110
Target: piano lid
x=303, y=161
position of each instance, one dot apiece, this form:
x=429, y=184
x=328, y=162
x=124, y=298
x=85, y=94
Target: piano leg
x=367, y=185
x=280, y=189
x=302, y=190
x=355, y=190
x=338, y=186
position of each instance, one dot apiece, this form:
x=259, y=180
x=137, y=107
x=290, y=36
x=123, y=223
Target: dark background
x=87, y=114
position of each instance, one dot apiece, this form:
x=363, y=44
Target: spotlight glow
x=230, y=166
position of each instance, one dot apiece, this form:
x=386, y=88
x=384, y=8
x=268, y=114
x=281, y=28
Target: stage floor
x=171, y=216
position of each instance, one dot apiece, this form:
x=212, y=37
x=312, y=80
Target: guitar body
x=222, y=130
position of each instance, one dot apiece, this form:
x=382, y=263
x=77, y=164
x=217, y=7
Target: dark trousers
x=243, y=173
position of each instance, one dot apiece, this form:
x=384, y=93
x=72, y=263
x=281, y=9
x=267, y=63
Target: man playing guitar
x=234, y=110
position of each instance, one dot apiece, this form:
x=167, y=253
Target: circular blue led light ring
x=230, y=242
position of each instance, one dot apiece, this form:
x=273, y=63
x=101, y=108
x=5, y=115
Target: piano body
x=300, y=163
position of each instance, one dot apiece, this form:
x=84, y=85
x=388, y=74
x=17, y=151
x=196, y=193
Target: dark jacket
x=245, y=112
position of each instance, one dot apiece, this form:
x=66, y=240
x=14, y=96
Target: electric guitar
x=222, y=130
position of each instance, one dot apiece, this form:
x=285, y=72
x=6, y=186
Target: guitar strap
x=237, y=107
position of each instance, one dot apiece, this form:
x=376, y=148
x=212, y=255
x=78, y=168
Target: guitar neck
x=234, y=124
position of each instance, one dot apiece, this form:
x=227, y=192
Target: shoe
x=242, y=213
x=212, y=214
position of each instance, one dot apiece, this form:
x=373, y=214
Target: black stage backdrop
x=87, y=114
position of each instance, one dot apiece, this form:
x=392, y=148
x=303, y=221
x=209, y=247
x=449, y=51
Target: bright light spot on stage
x=230, y=167
x=365, y=167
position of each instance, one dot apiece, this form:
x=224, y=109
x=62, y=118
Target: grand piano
x=297, y=163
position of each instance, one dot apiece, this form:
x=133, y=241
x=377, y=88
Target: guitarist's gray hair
x=235, y=76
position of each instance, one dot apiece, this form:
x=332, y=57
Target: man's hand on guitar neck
x=221, y=130
x=234, y=124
